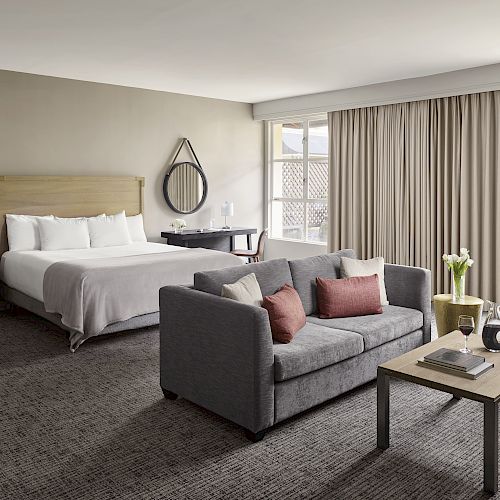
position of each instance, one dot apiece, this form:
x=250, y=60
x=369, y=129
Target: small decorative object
x=466, y=326
x=492, y=330
x=178, y=225
x=227, y=210
x=458, y=265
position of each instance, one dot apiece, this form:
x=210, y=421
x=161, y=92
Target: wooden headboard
x=68, y=197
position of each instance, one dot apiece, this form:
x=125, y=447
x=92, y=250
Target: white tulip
x=470, y=262
x=464, y=251
x=455, y=258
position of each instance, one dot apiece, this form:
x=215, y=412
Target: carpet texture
x=95, y=425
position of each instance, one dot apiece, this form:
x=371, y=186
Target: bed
x=92, y=291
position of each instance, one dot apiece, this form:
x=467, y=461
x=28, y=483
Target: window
x=298, y=179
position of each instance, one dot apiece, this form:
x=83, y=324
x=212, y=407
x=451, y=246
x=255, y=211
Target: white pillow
x=82, y=218
x=63, y=234
x=23, y=232
x=246, y=290
x=135, y=225
x=109, y=231
x=349, y=268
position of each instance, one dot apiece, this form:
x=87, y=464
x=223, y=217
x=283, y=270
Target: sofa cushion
x=305, y=271
x=314, y=347
x=377, y=329
x=271, y=275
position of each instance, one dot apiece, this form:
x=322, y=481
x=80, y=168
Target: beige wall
x=54, y=126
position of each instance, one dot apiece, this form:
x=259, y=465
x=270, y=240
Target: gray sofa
x=219, y=353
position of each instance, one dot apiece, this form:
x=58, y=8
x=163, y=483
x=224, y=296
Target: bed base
x=20, y=299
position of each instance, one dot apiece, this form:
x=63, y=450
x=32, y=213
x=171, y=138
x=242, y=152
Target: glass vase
x=457, y=288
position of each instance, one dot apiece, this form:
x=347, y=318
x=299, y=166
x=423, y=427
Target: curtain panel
x=412, y=181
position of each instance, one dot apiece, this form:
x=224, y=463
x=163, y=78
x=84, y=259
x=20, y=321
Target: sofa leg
x=169, y=394
x=255, y=437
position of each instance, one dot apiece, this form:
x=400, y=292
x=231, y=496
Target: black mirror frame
x=203, y=179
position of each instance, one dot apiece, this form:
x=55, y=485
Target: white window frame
x=305, y=164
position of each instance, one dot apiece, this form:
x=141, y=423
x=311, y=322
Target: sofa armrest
x=218, y=353
x=410, y=287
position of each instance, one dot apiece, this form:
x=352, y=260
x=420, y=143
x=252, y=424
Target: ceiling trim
x=468, y=81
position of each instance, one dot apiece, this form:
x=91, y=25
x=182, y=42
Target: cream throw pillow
x=350, y=268
x=246, y=290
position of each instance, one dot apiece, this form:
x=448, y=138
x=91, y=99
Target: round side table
x=447, y=312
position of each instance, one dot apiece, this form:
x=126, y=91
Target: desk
x=214, y=239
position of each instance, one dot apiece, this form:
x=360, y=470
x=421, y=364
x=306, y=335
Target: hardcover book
x=472, y=374
x=454, y=359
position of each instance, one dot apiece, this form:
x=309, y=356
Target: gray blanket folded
x=91, y=294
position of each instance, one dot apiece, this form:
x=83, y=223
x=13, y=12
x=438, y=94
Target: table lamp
x=227, y=210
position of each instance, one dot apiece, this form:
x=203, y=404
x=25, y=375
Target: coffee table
x=485, y=389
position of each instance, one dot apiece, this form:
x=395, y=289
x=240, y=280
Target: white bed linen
x=24, y=270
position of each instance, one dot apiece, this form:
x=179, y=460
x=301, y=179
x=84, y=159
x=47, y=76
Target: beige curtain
x=412, y=181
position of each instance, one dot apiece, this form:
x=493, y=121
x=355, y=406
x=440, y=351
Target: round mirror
x=185, y=188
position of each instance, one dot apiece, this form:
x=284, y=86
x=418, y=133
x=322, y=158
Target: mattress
x=25, y=270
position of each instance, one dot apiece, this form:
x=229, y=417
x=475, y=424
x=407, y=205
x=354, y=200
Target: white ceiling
x=247, y=50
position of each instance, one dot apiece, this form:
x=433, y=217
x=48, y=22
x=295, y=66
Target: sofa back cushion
x=271, y=275
x=305, y=271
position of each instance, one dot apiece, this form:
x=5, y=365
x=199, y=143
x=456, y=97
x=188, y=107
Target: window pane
x=288, y=179
x=287, y=140
x=288, y=220
x=318, y=138
x=318, y=179
x=317, y=222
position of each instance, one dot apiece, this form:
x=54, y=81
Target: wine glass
x=466, y=326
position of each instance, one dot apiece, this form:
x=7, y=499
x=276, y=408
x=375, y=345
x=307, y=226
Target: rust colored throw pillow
x=286, y=313
x=341, y=298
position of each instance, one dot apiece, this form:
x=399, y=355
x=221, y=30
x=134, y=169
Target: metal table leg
x=382, y=410
x=491, y=447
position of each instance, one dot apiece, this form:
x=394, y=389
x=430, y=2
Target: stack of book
x=456, y=363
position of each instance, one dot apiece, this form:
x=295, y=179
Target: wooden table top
x=485, y=388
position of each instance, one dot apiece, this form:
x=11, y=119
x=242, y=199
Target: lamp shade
x=227, y=209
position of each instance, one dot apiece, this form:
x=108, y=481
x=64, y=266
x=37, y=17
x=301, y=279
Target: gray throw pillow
x=246, y=290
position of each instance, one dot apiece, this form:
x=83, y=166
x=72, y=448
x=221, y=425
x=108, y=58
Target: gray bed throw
x=91, y=294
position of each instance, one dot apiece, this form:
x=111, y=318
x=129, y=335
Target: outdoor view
x=299, y=208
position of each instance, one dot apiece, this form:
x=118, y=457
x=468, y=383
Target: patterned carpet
x=95, y=425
